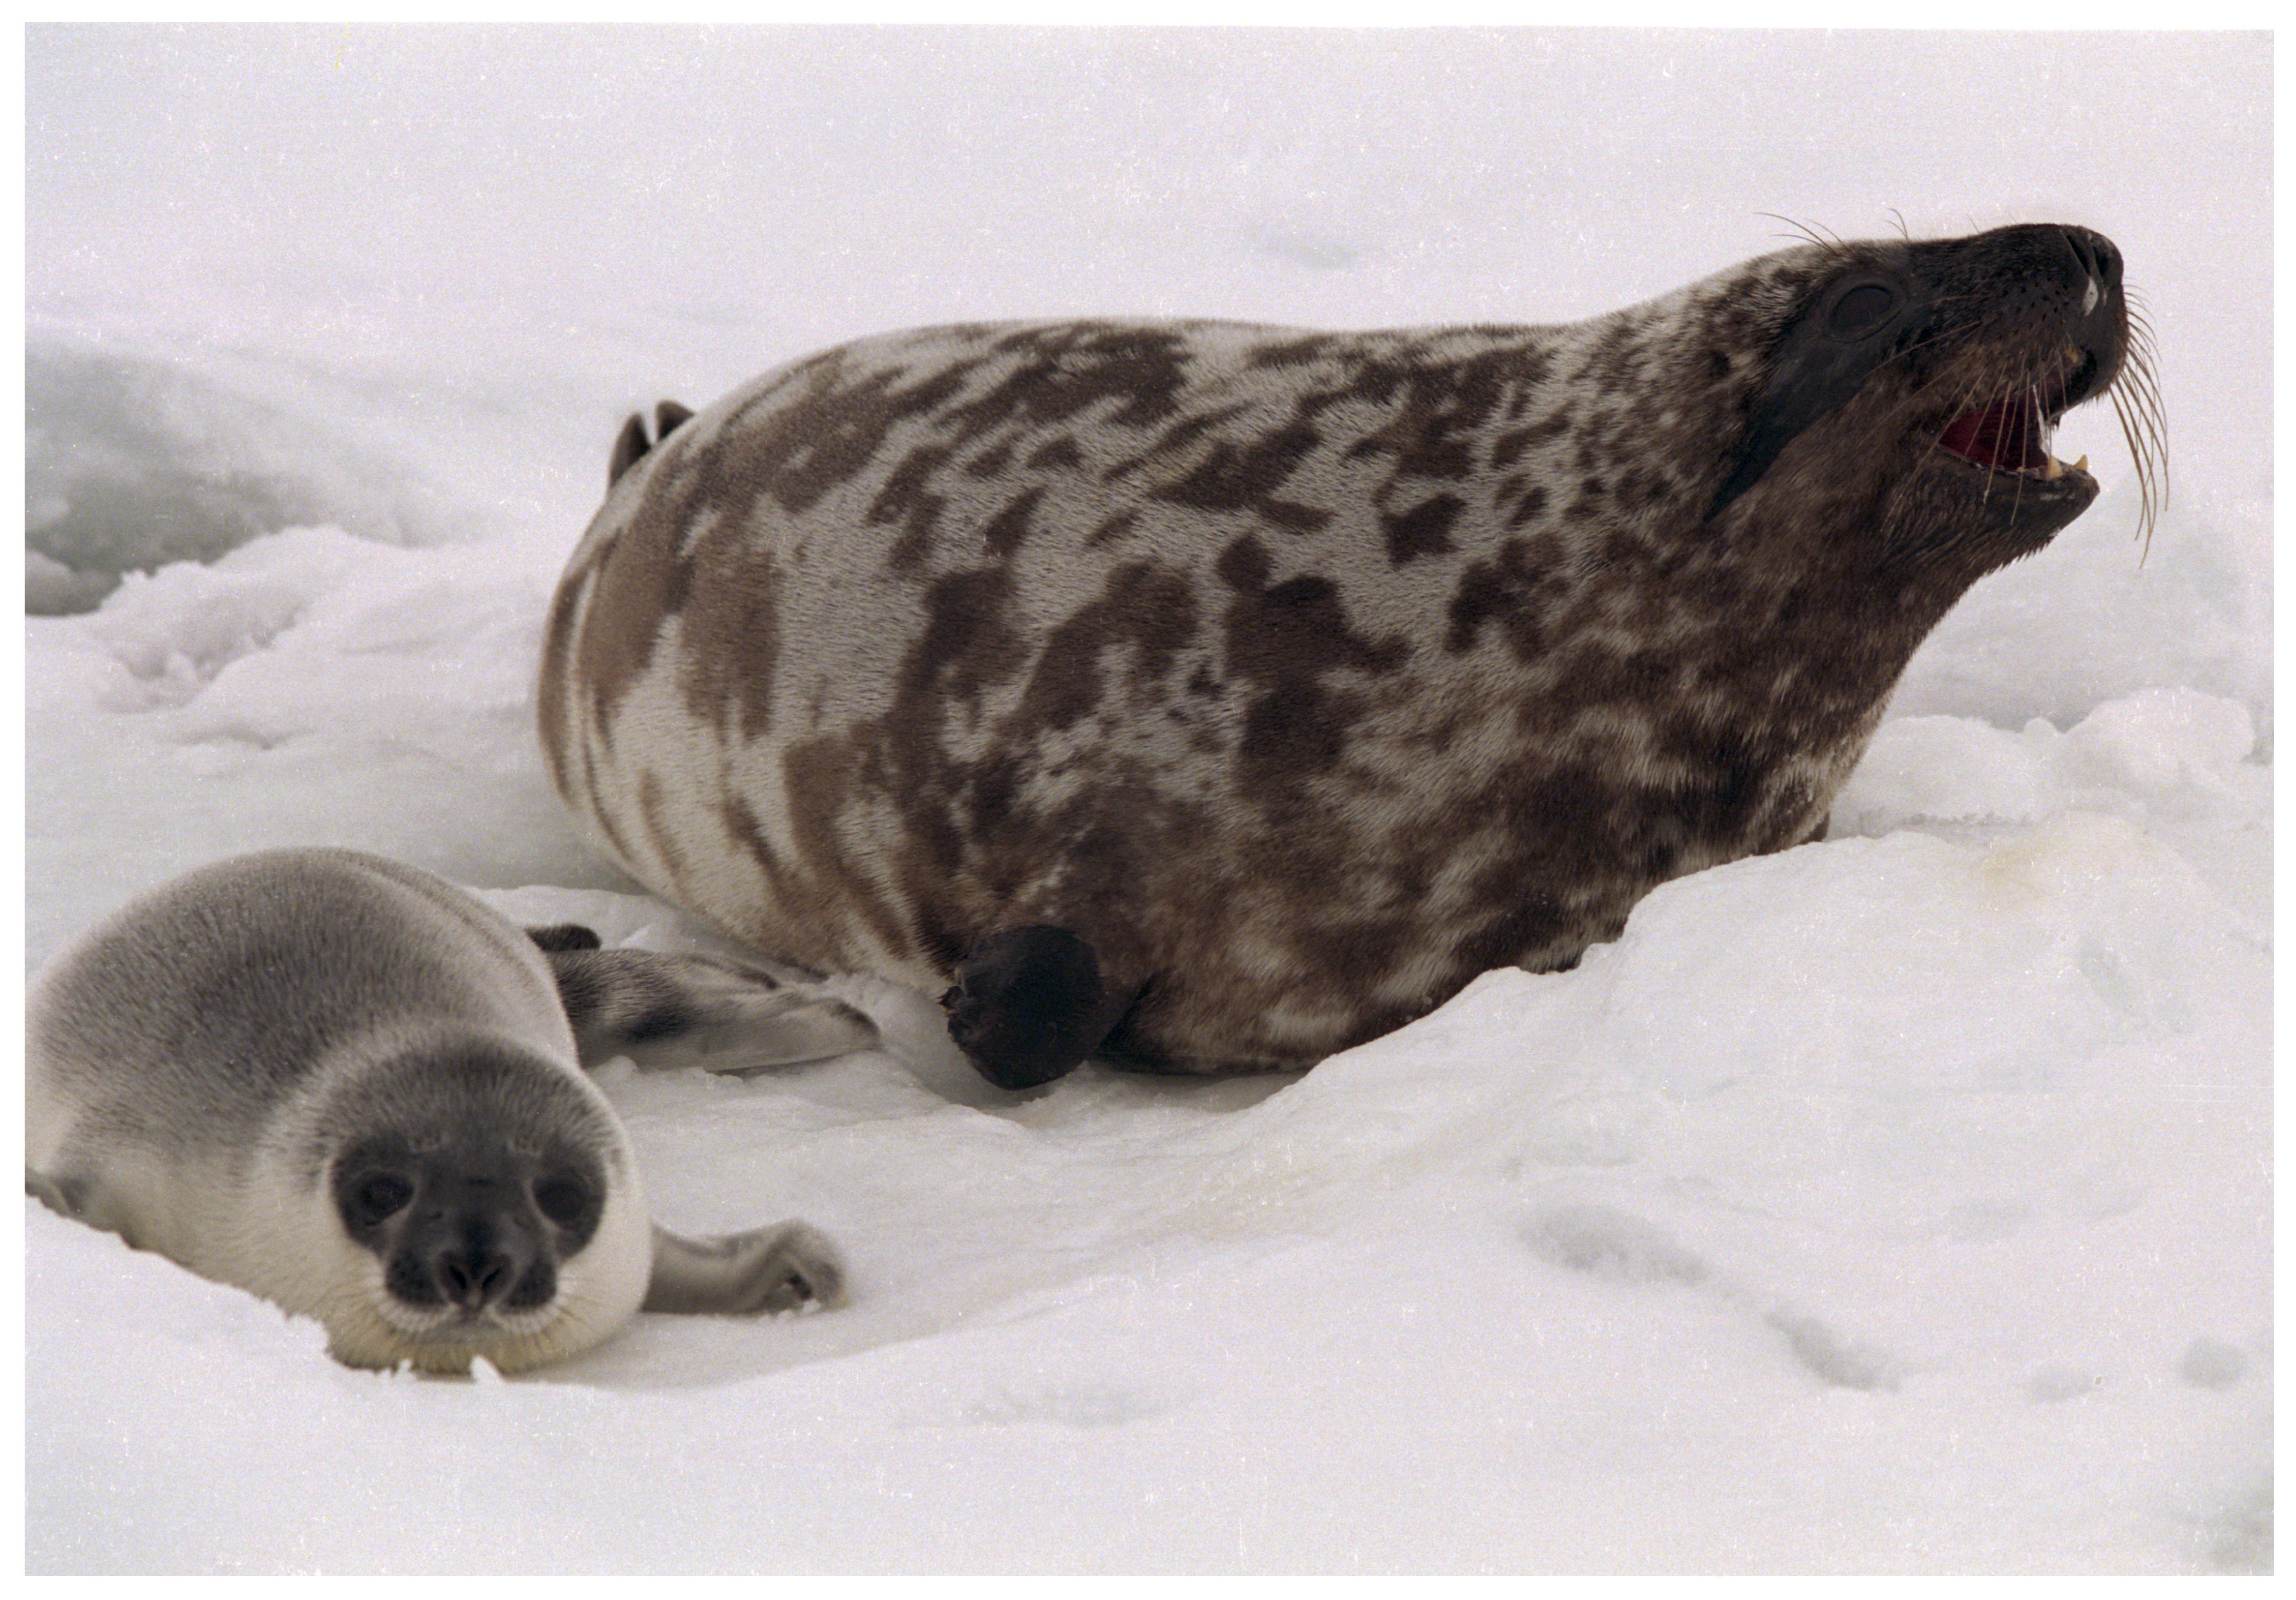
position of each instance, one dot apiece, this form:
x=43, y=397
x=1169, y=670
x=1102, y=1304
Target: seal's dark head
x=1913, y=389
x=490, y=1190
x=468, y=1228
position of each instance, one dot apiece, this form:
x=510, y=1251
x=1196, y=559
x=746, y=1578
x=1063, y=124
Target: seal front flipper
x=784, y=1267
x=1030, y=1002
x=666, y=1012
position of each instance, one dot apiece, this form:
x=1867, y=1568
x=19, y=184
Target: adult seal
x=1206, y=695
x=349, y=1087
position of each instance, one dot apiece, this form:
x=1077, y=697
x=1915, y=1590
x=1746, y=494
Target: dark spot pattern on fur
x=1010, y=526
x=1150, y=609
x=1135, y=373
x=1299, y=677
x=1425, y=529
x=1294, y=518
x=801, y=452
x=1232, y=477
x=1297, y=629
x=906, y=504
x=1516, y=588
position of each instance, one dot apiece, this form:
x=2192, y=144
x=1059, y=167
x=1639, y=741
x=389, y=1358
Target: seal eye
x=1861, y=310
x=375, y=1197
x=563, y=1198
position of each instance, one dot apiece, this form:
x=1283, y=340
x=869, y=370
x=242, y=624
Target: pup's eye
x=564, y=1200
x=376, y=1197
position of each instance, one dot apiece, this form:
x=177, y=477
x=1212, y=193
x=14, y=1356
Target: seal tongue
x=2007, y=436
x=2012, y=433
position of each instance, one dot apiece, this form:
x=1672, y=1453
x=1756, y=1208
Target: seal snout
x=2100, y=319
x=2012, y=432
x=464, y=1244
x=473, y=1278
x=473, y=1258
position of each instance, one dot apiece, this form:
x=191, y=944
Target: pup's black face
x=468, y=1226
x=473, y=1174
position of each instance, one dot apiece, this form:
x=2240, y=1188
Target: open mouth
x=2012, y=434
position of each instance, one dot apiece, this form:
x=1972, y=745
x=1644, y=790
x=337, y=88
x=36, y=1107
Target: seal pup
x=1207, y=695
x=346, y=1085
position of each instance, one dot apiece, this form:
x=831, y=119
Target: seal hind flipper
x=665, y=1012
x=784, y=1268
x=565, y=936
x=629, y=444
x=1029, y=1003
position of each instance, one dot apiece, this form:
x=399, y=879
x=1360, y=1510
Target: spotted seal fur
x=346, y=1085
x=1206, y=695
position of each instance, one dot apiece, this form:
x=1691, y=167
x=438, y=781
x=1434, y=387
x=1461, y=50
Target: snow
x=1897, y=1203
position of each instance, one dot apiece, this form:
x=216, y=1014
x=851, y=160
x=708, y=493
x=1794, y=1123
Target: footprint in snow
x=1602, y=1243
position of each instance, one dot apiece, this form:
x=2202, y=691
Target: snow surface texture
x=1899, y=1203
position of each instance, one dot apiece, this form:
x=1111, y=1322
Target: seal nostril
x=2077, y=241
x=2098, y=256
x=472, y=1278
